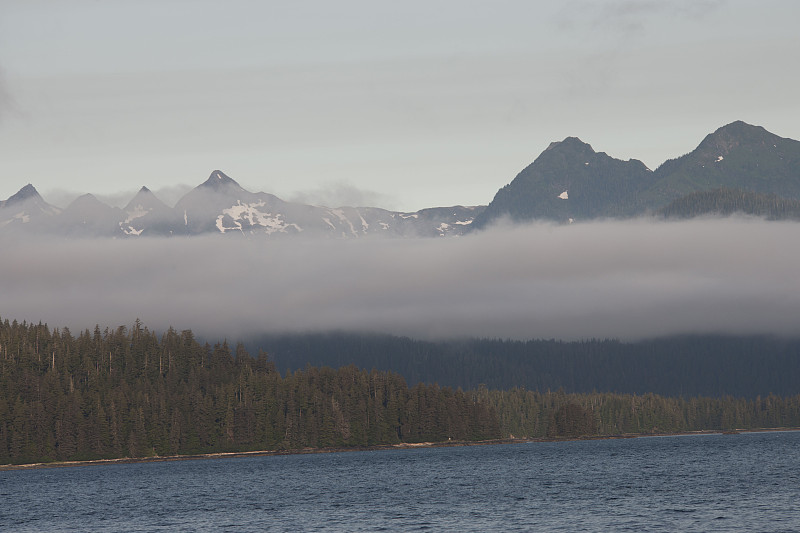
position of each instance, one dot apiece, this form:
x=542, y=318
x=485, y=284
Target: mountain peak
x=218, y=180
x=570, y=143
x=144, y=193
x=88, y=197
x=735, y=134
x=87, y=202
x=28, y=190
x=145, y=198
x=26, y=193
x=740, y=126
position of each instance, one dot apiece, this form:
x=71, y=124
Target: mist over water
x=621, y=279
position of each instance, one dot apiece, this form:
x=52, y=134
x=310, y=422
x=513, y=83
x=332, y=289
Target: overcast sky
x=401, y=105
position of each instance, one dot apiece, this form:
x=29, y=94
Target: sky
x=401, y=105
x=614, y=279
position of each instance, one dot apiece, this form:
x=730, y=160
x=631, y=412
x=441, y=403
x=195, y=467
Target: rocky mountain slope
x=571, y=182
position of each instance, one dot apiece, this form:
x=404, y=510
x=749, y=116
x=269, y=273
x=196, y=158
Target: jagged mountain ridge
x=221, y=206
x=736, y=156
x=567, y=182
x=570, y=181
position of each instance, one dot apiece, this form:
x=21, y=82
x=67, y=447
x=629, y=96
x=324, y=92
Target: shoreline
x=377, y=447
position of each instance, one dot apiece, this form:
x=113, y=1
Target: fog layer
x=625, y=280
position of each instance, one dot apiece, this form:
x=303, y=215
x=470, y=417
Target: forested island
x=129, y=392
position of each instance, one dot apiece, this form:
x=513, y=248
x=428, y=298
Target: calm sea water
x=747, y=482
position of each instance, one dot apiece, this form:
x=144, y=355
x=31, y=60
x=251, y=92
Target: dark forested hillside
x=130, y=393
x=724, y=202
x=679, y=366
x=126, y=392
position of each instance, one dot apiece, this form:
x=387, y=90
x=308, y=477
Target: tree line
x=695, y=365
x=726, y=202
x=129, y=392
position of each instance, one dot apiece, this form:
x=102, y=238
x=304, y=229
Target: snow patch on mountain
x=130, y=230
x=137, y=212
x=342, y=217
x=249, y=213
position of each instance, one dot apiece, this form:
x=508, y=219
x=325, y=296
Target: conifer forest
x=130, y=392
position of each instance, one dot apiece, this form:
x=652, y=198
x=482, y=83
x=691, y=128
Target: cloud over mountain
x=605, y=279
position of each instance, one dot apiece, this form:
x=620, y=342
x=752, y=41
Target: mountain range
x=569, y=181
x=221, y=206
x=733, y=169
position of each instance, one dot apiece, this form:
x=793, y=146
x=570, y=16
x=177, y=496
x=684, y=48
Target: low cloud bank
x=625, y=280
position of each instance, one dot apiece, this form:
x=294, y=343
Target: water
x=747, y=482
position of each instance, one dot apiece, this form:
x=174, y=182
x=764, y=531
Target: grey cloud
x=59, y=197
x=168, y=194
x=611, y=279
x=341, y=194
x=627, y=17
x=609, y=31
x=6, y=102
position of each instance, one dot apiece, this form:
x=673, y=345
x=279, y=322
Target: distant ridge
x=568, y=182
x=735, y=156
x=220, y=206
